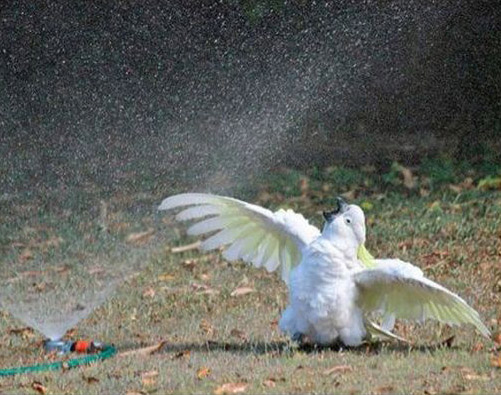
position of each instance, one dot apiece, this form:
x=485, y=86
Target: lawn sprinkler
x=94, y=351
x=63, y=347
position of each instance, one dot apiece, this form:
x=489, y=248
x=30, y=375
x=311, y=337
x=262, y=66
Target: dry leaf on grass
x=166, y=277
x=231, y=388
x=149, y=293
x=447, y=343
x=242, y=291
x=350, y=195
x=90, y=379
x=203, y=372
x=38, y=387
x=496, y=361
x=409, y=180
x=26, y=255
x=149, y=378
x=204, y=289
x=95, y=270
x=239, y=334
x=144, y=351
x=187, y=247
x=385, y=389
x=24, y=332
x=338, y=369
x=270, y=383
x=475, y=376
x=206, y=327
x=497, y=338
x=182, y=354
x=140, y=237
x=489, y=183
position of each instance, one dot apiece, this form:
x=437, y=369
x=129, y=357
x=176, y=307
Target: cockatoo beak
x=341, y=208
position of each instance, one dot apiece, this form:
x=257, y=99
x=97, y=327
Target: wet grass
x=449, y=227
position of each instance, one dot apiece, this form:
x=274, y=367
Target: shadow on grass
x=285, y=348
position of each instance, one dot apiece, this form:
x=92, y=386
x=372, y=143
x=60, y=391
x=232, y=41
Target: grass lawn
x=218, y=321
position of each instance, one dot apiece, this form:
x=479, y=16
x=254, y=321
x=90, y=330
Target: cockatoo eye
x=348, y=220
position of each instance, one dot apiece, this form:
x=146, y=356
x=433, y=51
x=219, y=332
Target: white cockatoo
x=333, y=281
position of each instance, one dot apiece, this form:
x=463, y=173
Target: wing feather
x=198, y=212
x=251, y=233
x=399, y=289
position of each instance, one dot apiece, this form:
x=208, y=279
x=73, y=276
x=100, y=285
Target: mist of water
x=119, y=103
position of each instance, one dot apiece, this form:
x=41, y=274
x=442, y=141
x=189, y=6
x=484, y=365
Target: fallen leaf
x=409, y=180
x=31, y=273
x=423, y=192
x=497, y=338
x=187, y=247
x=17, y=244
x=304, y=186
x=384, y=389
x=166, y=277
x=149, y=378
x=38, y=387
x=190, y=264
x=270, y=383
x=95, y=270
x=462, y=369
x=62, y=269
x=338, y=369
x=447, y=343
x=231, y=388
x=182, y=354
x=206, y=327
x=149, y=293
x=489, y=183
x=90, y=379
x=140, y=237
x=350, y=195
x=26, y=255
x=367, y=206
x=435, y=206
x=54, y=241
x=144, y=351
x=496, y=361
x=204, y=289
x=39, y=287
x=472, y=377
x=238, y=334
x=479, y=346
x=24, y=332
x=242, y=291
x=203, y=372
x=204, y=276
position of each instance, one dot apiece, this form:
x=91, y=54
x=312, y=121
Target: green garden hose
x=107, y=352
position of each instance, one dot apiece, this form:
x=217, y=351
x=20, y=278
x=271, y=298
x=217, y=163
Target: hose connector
x=63, y=347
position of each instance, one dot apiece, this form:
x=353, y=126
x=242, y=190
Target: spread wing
x=399, y=289
x=252, y=233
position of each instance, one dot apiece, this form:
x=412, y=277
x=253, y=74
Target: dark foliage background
x=99, y=91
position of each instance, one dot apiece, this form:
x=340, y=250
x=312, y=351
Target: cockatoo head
x=345, y=224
